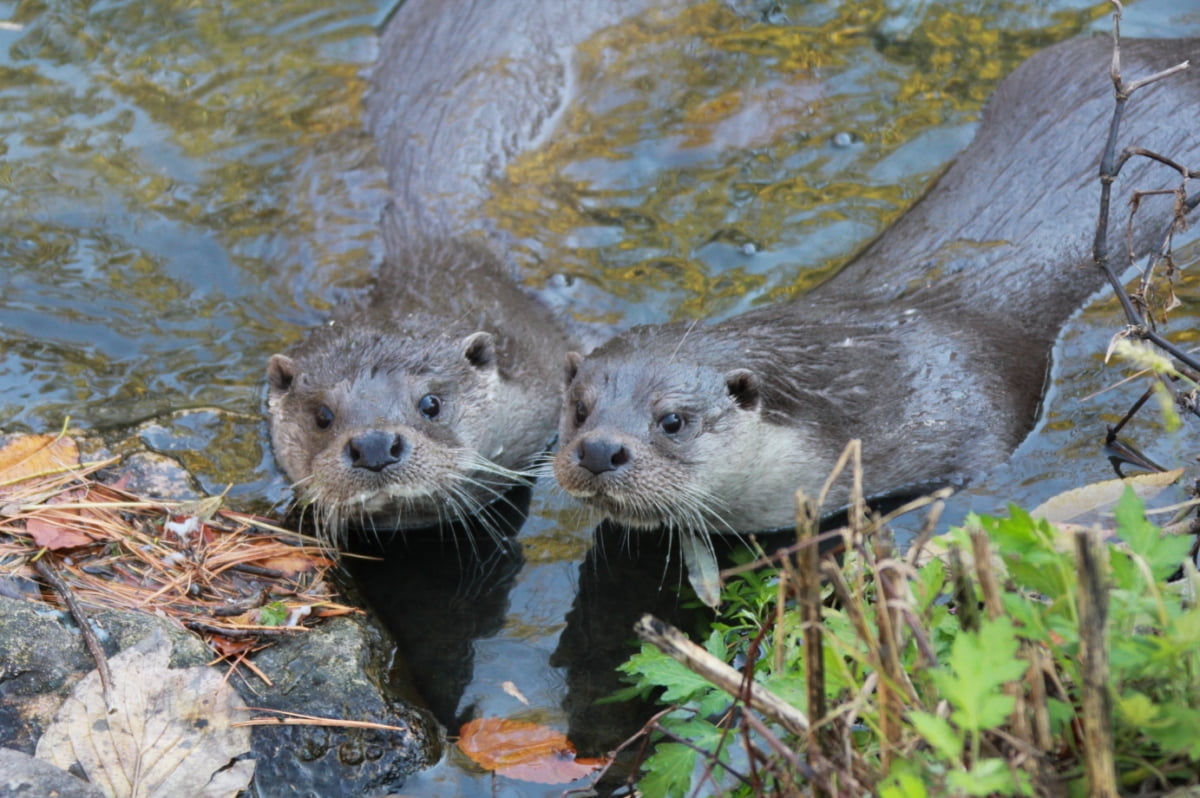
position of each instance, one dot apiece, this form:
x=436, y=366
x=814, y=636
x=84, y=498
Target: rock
x=23, y=775
x=338, y=670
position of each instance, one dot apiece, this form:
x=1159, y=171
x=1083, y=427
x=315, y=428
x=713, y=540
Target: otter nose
x=599, y=456
x=375, y=450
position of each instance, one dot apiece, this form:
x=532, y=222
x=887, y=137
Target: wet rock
x=338, y=670
x=25, y=775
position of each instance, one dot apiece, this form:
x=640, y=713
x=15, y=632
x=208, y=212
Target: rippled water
x=185, y=187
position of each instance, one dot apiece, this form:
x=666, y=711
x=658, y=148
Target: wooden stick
x=808, y=595
x=1092, y=598
x=47, y=571
x=675, y=645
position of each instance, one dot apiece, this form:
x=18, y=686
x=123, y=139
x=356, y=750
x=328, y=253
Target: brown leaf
x=169, y=731
x=54, y=536
x=522, y=750
x=36, y=454
x=292, y=565
x=230, y=648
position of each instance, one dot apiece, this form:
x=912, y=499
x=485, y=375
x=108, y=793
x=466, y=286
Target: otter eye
x=429, y=406
x=323, y=417
x=581, y=412
x=671, y=423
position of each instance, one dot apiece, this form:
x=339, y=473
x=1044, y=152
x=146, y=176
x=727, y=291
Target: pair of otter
x=931, y=345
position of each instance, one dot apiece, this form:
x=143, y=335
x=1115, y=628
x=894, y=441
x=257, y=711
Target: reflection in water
x=710, y=161
x=439, y=591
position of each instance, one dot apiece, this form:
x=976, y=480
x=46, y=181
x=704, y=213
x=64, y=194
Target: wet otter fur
x=424, y=404
x=931, y=346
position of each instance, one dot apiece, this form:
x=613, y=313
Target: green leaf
x=940, y=734
x=1175, y=731
x=1164, y=553
x=1137, y=709
x=668, y=771
x=903, y=781
x=988, y=777
x=981, y=663
x=273, y=614
x=652, y=666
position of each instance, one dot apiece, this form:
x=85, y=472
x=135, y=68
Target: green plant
x=970, y=680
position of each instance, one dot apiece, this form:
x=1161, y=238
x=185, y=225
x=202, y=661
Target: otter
x=931, y=346
x=427, y=402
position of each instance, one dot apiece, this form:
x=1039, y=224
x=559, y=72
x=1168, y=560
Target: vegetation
x=1011, y=657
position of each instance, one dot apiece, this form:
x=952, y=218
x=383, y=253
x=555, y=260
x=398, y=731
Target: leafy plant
x=970, y=679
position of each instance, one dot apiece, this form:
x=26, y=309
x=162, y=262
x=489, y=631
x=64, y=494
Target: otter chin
x=422, y=406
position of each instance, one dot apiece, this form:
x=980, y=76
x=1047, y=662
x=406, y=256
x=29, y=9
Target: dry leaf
x=292, y=565
x=701, y=563
x=36, y=454
x=522, y=750
x=49, y=535
x=1085, y=505
x=169, y=734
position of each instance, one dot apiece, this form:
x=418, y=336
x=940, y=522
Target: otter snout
x=376, y=450
x=601, y=455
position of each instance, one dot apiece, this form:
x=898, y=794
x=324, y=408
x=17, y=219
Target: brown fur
x=350, y=408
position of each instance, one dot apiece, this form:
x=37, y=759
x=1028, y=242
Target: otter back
x=931, y=346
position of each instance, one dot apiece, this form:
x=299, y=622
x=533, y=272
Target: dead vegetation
x=69, y=539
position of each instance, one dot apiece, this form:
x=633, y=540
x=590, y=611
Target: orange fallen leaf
x=292, y=565
x=522, y=750
x=231, y=648
x=36, y=454
x=49, y=535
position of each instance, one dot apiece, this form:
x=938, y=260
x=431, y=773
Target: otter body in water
x=424, y=404
x=931, y=346
x=417, y=407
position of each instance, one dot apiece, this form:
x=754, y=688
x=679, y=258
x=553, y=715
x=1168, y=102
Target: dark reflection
x=438, y=591
x=625, y=575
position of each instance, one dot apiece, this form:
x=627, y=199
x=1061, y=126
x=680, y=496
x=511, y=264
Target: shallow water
x=184, y=189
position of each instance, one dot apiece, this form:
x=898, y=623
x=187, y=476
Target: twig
x=808, y=594
x=1110, y=167
x=981, y=550
x=48, y=572
x=787, y=753
x=1093, y=657
x=296, y=719
x=675, y=644
x=245, y=632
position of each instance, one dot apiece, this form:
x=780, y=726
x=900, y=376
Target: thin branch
x=47, y=571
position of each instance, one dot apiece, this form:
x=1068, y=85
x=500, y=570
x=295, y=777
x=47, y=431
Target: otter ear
x=479, y=348
x=571, y=366
x=744, y=386
x=281, y=373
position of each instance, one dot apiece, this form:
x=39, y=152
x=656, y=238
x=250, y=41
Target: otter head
x=388, y=428
x=650, y=439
